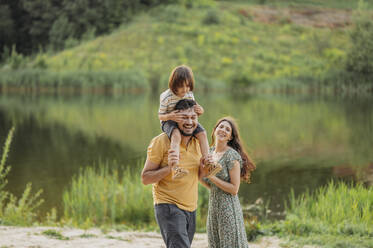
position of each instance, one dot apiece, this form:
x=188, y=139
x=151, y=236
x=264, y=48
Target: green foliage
x=51, y=218
x=40, y=62
x=99, y=196
x=241, y=80
x=6, y=27
x=359, y=61
x=252, y=228
x=16, y=60
x=4, y=170
x=54, y=234
x=21, y=211
x=15, y=211
x=202, y=208
x=196, y=3
x=60, y=32
x=211, y=17
x=47, y=23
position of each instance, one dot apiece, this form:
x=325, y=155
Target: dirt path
x=304, y=16
x=32, y=237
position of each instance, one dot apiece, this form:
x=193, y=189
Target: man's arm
x=152, y=173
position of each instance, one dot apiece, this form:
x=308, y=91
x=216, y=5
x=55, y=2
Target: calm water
x=298, y=142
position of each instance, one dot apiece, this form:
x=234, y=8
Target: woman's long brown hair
x=247, y=163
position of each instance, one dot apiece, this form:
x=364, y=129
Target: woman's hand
x=233, y=186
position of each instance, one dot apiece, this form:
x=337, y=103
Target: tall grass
x=14, y=211
x=38, y=80
x=99, y=196
x=342, y=208
x=336, y=210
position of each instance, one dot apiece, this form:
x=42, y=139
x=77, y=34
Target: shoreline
x=65, y=237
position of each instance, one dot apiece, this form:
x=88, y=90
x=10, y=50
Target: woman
x=225, y=225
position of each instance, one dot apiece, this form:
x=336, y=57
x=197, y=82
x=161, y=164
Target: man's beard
x=185, y=134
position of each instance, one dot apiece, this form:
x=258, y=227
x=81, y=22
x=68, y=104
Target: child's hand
x=175, y=116
x=198, y=109
x=209, y=159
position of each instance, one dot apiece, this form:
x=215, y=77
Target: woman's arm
x=233, y=186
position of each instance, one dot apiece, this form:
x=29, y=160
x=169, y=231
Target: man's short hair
x=185, y=104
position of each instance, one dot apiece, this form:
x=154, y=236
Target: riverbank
x=70, y=237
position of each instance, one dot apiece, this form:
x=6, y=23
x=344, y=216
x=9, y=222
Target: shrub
x=211, y=17
x=241, y=80
x=359, y=61
x=16, y=60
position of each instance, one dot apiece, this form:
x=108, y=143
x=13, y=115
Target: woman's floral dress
x=225, y=225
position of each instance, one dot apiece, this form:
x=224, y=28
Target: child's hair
x=179, y=76
x=248, y=165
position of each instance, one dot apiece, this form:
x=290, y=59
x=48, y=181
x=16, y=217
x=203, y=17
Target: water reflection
x=297, y=141
x=360, y=174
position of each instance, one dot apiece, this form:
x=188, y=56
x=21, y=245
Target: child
x=181, y=85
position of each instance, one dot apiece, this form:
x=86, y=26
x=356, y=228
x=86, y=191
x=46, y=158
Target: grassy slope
x=168, y=36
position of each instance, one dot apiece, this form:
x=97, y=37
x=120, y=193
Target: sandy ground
x=34, y=237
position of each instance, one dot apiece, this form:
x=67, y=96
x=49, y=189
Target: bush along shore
x=228, y=45
x=336, y=215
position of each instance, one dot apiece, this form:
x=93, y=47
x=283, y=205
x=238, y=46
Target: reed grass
x=14, y=211
x=335, y=215
x=99, y=196
x=345, y=208
x=38, y=80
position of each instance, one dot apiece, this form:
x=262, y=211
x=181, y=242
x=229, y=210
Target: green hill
x=239, y=43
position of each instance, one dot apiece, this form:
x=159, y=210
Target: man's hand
x=203, y=165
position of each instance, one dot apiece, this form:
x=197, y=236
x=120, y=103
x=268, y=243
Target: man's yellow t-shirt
x=182, y=191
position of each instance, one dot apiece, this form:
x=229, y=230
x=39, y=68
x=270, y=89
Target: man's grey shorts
x=177, y=226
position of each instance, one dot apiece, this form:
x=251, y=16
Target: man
x=175, y=200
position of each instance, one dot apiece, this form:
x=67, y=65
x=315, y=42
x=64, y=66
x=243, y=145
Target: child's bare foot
x=213, y=169
x=178, y=172
x=173, y=160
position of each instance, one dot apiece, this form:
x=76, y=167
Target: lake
x=299, y=142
